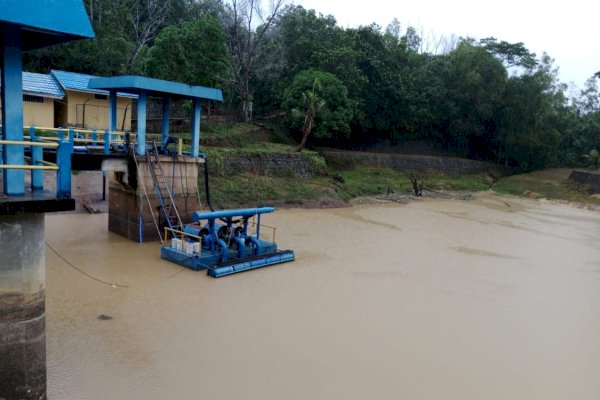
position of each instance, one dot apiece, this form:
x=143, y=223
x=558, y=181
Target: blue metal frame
x=196, y=119
x=141, y=126
x=112, y=111
x=12, y=108
x=27, y=25
x=144, y=87
x=165, y=122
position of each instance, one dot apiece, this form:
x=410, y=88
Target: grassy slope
x=342, y=185
x=550, y=184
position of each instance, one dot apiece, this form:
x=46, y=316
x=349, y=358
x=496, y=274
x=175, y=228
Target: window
x=100, y=96
x=33, y=99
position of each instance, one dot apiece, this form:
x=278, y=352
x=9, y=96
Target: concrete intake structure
x=22, y=307
x=129, y=213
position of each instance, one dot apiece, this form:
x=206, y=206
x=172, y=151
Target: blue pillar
x=37, y=176
x=196, y=117
x=61, y=134
x=141, y=125
x=106, y=142
x=72, y=138
x=12, y=108
x=63, y=178
x=112, y=111
x=165, y=122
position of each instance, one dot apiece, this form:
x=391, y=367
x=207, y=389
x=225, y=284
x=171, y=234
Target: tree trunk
x=306, y=132
x=416, y=187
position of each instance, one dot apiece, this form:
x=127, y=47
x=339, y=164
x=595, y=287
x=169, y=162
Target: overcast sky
x=569, y=31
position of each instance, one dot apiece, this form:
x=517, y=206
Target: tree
x=145, y=19
x=593, y=158
x=312, y=104
x=191, y=52
x=326, y=101
x=475, y=83
x=510, y=54
x=243, y=40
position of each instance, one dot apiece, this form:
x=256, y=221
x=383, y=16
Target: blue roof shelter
x=28, y=25
x=168, y=90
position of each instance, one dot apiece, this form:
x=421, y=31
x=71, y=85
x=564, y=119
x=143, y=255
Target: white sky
x=569, y=31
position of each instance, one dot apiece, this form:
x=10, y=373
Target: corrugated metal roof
x=79, y=82
x=41, y=84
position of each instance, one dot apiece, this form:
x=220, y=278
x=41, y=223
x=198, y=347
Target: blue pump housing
x=226, y=246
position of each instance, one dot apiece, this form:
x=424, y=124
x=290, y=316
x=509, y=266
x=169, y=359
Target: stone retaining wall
x=413, y=163
x=586, y=180
x=302, y=165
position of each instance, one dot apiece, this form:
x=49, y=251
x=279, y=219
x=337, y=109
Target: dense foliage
x=484, y=99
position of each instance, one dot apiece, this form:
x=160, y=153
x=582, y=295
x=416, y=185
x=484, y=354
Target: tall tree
x=331, y=122
x=191, y=52
x=246, y=26
x=311, y=104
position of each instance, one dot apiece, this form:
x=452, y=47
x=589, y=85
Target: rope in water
x=81, y=271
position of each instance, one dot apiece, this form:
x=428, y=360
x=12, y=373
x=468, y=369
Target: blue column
x=37, y=154
x=141, y=125
x=165, y=122
x=106, y=142
x=37, y=176
x=63, y=159
x=112, y=111
x=196, y=117
x=72, y=138
x=12, y=108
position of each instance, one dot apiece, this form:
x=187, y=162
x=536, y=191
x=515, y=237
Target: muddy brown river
x=497, y=298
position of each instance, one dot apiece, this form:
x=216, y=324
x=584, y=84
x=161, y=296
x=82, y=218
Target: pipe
x=223, y=246
x=244, y=212
x=206, y=188
x=241, y=247
x=256, y=244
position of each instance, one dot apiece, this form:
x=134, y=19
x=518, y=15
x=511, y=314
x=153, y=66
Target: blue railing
x=37, y=165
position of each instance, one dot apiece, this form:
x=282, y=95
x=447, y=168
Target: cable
x=83, y=272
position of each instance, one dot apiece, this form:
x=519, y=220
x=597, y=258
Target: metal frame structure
x=166, y=90
x=28, y=26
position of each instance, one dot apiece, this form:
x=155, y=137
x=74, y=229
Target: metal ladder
x=167, y=204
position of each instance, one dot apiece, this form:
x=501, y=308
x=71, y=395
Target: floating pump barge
x=221, y=243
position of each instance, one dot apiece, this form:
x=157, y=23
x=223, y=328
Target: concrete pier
x=128, y=211
x=22, y=307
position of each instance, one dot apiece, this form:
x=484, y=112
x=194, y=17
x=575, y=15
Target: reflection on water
x=497, y=298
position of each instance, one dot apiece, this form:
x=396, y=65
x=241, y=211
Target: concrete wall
x=412, y=163
x=129, y=214
x=96, y=111
x=39, y=114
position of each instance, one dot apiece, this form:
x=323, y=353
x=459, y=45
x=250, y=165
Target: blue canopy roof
x=156, y=87
x=80, y=82
x=47, y=22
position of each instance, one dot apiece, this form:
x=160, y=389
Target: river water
x=497, y=298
